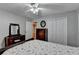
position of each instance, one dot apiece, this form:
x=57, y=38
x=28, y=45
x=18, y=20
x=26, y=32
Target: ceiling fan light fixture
x=35, y=10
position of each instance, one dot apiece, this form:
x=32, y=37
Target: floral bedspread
x=36, y=47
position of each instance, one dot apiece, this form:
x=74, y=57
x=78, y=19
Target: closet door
x=28, y=30
x=51, y=30
x=61, y=30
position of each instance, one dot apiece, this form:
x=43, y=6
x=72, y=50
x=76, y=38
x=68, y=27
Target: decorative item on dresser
x=14, y=35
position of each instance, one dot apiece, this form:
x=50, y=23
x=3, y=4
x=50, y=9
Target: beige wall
x=5, y=19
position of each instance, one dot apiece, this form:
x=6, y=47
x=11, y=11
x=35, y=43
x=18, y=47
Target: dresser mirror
x=14, y=29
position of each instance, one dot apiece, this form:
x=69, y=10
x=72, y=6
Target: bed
x=37, y=47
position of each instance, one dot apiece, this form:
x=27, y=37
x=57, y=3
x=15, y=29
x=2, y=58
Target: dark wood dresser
x=42, y=34
x=9, y=40
x=14, y=35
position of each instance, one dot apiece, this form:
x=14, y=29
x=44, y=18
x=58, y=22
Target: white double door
x=57, y=30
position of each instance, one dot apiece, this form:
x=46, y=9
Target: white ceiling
x=50, y=8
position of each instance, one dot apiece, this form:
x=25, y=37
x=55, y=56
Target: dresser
x=42, y=34
x=9, y=40
x=14, y=35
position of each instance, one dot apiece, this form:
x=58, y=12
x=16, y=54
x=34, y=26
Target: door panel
x=28, y=30
x=61, y=30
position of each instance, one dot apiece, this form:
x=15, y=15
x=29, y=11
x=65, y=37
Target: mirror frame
x=18, y=31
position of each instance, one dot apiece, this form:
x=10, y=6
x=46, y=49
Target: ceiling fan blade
x=39, y=9
x=28, y=5
x=32, y=5
x=27, y=10
x=44, y=9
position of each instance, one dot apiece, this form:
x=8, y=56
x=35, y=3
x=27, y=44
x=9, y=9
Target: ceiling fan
x=34, y=8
